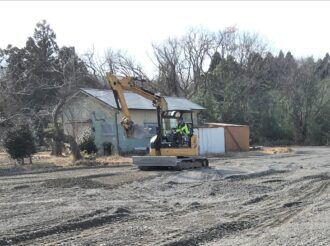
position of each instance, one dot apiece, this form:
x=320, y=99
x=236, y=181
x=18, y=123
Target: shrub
x=20, y=143
x=88, y=144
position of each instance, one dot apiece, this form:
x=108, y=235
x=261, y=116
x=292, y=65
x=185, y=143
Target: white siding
x=211, y=140
x=143, y=116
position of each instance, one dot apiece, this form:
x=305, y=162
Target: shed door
x=211, y=140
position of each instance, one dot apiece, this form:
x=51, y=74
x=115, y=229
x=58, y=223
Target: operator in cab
x=181, y=130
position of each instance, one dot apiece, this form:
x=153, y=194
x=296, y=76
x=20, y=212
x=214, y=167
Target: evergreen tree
x=19, y=143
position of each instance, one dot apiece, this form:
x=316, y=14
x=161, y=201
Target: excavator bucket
x=136, y=131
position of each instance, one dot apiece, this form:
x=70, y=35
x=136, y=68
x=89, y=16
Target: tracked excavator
x=166, y=151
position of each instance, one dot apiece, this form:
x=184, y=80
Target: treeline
x=232, y=74
x=238, y=80
x=282, y=99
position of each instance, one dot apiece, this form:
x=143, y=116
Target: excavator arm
x=128, y=84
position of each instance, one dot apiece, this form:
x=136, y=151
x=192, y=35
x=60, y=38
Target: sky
x=297, y=26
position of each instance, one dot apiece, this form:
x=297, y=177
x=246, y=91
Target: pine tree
x=19, y=143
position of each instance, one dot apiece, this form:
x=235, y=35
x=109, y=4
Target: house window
x=151, y=128
x=108, y=129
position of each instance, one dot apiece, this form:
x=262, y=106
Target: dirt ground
x=247, y=199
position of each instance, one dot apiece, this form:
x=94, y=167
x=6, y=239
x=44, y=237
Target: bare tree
x=183, y=64
x=248, y=43
x=199, y=46
x=225, y=41
x=98, y=66
x=169, y=62
x=116, y=62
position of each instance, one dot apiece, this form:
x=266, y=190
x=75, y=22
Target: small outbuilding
x=235, y=137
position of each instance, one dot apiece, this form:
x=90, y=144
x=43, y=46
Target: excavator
x=165, y=150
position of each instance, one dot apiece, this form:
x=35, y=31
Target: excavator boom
x=128, y=83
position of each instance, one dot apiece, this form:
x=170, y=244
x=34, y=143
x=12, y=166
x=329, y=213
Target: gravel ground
x=281, y=199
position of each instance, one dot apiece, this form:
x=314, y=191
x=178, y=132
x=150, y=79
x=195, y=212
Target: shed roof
x=213, y=124
x=135, y=101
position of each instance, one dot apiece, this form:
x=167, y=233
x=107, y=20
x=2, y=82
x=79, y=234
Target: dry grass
x=115, y=159
x=276, y=150
x=44, y=159
x=4, y=160
x=40, y=159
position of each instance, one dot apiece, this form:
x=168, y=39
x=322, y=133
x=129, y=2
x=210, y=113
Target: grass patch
x=276, y=150
x=44, y=159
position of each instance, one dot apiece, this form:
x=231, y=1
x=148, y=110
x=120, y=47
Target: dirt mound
x=195, y=176
x=256, y=175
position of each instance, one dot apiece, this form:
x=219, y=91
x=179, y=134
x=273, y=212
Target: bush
x=88, y=145
x=19, y=143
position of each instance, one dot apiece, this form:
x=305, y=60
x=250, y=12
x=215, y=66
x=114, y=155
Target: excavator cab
x=168, y=142
x=170, y=136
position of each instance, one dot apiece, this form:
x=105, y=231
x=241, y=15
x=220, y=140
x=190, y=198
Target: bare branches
x=183, y=63
x=199, y=47
x=170, y=67
x=249, y=43
x=96, y=65
x=115, y=62
x=127, y=66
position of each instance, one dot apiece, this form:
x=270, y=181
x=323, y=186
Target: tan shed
x=237, y=137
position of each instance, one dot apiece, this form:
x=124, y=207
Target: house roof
x=135, y=101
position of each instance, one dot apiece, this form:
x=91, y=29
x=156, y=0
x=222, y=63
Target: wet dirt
x=281, y=199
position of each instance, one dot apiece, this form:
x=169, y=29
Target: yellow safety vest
x=183, y=129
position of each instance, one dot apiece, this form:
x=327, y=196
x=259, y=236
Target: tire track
x=281, y=209
x=272, y=211
x=211, y=233
x=68, y=226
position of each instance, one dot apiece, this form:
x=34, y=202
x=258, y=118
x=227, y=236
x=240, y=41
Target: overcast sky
x=301, y=27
